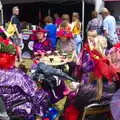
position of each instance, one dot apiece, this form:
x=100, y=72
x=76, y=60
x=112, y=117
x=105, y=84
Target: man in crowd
x=94, y=23
x=109, y=27
x=17, y=37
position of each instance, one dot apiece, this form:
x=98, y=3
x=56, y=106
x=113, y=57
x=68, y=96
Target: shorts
x=17, y=41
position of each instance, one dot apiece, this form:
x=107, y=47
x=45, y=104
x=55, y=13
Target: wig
x=101, y=44
x=91, y=38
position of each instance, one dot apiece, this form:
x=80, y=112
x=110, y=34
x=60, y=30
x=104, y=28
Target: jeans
x=78, y=43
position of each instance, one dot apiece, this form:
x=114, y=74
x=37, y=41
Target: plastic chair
x=95, y=109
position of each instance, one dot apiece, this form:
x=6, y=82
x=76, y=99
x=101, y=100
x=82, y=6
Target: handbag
x=11, y=28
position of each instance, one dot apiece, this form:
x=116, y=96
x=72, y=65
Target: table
x=55, y=60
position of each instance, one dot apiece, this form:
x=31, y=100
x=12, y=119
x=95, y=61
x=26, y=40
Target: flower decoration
x=7, y=47
x=7, y=54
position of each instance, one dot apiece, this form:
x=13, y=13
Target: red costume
x=103, y=68
x=71, y=113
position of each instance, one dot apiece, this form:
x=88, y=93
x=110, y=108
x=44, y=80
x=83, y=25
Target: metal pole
x=49, y=12
x=2, y=17
x=83, y=18
x=1, y=9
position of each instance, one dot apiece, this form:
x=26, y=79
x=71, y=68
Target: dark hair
x=23, y=68
x=2, y=34
x=66, y=17
x=48, y=19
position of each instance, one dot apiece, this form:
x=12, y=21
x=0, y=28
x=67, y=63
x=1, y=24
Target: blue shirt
x=109, y=25
x=51, y=28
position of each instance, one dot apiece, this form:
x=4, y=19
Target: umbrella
x=115, y=105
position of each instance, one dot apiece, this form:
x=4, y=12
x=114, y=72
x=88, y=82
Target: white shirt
x=109, y=25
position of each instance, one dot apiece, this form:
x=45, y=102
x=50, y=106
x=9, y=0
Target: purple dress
x=16, y=87
x=42, y=46
x=86, y=66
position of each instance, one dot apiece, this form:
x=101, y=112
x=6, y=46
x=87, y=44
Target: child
x=41, y=43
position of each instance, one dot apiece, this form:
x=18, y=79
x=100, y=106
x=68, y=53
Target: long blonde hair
x=91, y=35
x=101, y=44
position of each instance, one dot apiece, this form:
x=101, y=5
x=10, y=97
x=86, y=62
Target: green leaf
x=11, y=49
x=3, y=47
x=7, y=48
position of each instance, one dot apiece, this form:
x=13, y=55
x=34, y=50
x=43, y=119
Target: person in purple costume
x=85, y=66
x=21, y=95
x=41, y=42
x=52, y=80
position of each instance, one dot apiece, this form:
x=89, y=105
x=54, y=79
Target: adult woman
x=76, y=30
x=66, y=43
x=17, y=37
x=90, y=92
x=95, y=23
x=93, y=59
x=41, y=43
x=84, y=62
x=65, y=25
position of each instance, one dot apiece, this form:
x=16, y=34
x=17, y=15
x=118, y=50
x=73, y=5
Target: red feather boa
x=103, y=68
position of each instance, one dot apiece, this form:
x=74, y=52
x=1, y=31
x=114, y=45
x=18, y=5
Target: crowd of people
x=94, y=65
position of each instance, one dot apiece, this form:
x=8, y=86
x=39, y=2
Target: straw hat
x=66, y=34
